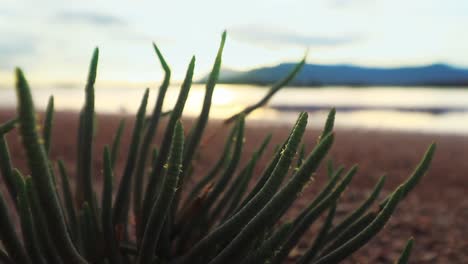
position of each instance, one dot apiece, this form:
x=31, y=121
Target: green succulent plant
x=219, y=221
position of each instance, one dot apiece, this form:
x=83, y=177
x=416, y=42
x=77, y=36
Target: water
x=430, y=110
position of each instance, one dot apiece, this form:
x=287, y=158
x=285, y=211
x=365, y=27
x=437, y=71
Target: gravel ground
x=435, y=213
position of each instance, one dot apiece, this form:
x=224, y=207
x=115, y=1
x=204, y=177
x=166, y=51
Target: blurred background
x=392, y=64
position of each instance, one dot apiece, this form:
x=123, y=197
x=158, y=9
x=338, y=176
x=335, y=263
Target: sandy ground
x=435, y=213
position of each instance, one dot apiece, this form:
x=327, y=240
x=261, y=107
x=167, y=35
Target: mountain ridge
x=437, y=74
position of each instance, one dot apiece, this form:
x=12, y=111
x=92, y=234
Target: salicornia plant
x=150, y=215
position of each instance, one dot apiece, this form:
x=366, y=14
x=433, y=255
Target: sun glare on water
x=223, y=96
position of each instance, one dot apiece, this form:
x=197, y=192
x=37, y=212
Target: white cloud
x=86, y=17
x=265, y=35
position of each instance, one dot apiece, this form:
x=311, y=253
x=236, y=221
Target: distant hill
x=350, y=75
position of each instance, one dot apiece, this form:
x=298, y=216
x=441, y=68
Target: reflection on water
x=410, y=109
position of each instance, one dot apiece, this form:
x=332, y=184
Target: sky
x=52, y=41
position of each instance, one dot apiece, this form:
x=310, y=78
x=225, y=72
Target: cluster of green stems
x=143, y=217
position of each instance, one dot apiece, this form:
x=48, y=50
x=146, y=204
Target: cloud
x=12, y=50
x=86, y=17
x=270, y=36
x=348, y=3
